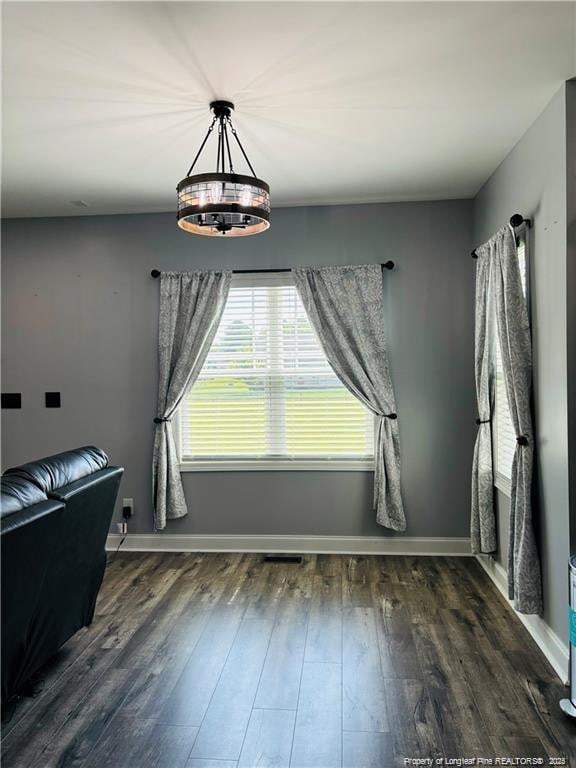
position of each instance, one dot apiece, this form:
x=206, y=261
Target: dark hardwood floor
x=224, y=661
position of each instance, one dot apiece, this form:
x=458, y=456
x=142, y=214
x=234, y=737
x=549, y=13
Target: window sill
x=503, y=484
x=279, y=465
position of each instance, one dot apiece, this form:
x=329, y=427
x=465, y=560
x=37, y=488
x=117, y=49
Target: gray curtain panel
x=499, y=257
x=191, y=306
x=483, y=519
x=345, y=306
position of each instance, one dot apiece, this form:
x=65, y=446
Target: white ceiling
x=335, y=102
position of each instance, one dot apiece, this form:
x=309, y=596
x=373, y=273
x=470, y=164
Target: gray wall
x=81, y=316
x=570, y=297
x=532, y=181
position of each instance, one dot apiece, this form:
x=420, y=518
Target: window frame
x=260, y=464
x=500, y=480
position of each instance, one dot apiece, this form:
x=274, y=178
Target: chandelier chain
x=228, y=150
x=219, y=148
x=210, y=129
x=241, y=147
x=224, y=121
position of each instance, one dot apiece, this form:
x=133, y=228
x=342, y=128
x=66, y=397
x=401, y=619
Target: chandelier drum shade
x=221, y=203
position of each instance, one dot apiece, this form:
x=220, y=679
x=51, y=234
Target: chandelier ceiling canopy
x=223, y=203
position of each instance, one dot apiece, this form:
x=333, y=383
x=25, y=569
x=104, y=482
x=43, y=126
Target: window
x=266, y=397
x=504, y=434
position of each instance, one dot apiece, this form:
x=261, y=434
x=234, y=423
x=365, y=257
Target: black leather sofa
x=56, y=514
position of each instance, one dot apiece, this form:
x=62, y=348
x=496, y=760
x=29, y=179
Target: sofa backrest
x=54, y=472
x=18, y=493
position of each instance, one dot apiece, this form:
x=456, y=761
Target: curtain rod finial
x=517, y=220
x=388, y=265
x=155, y=273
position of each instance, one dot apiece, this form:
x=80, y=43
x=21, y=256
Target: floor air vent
x=297, y=559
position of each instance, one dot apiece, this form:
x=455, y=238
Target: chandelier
x=223, y=203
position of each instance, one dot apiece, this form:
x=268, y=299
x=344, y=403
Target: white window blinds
x=266, y=390
x=504, y=434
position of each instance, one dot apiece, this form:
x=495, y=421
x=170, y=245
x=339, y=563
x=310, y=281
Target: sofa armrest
x=67, y=492
x=29, y=515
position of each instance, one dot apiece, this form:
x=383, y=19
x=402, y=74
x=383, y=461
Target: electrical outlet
x=127, y=508
x=122, y=528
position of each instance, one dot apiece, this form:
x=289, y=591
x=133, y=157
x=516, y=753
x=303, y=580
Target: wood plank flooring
x=224, y=661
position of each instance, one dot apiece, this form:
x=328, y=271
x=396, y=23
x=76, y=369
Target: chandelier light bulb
x=214, y=196
x=245, y=196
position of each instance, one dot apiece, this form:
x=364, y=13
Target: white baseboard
x=352, y=545
x=547, y=640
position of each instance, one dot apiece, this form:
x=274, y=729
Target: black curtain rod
x=156, y=272
x=515, y=221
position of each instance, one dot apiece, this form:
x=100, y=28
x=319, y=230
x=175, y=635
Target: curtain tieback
x=483, y=421
x=522, y=440
x=388, y=416
x=160, y=420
